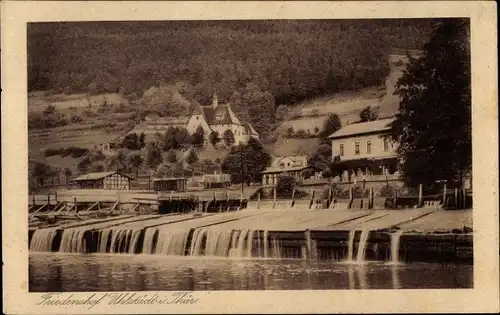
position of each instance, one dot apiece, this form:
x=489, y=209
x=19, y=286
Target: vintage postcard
x=249, y=157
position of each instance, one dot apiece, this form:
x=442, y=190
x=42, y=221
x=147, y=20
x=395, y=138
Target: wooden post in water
x=274, y=197
x=76, y=206
x=55, y=195
x=456, y=198
x=258, y=200
x=293, y=198
x=351, y=196
x=420, y=195
x=395, y=198
x=312, y=199
x=444, y=194
x=48, y=200
x=371, y=198
x=33, y=194
x=329, y=197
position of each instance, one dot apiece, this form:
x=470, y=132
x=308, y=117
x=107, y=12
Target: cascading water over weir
x=352, y=247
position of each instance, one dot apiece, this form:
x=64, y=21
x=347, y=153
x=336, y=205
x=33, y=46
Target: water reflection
x=76, y=272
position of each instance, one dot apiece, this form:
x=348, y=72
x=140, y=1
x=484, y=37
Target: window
x=356, y=148
x=386, y=144
x=368, y=147
x=341, y=150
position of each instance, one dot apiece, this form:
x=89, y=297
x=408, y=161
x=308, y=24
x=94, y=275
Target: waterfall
x=395, y=237
x=133, y=241
x=72, y=241
x=363, y=239
x=276, y=248
x=172, y=242
x=233, y=250
x=218, y=243
x=194, y=240
x=103, y=240
x=250, y=243
x=147, y=246
x=198, y=236
x=42, y=240
x=241, y=243
x=266, y=243
x=350, y=246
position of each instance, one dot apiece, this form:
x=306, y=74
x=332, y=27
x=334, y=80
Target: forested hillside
x=255, y=65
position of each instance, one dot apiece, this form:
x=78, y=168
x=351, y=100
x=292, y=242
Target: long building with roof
x=365, y=150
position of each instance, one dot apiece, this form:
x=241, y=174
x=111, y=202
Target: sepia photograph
x=179, y=158
x=250, y=155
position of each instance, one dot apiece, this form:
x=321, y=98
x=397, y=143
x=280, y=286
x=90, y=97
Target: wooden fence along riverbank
x=300, y=229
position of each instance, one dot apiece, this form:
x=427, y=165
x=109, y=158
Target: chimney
x=215, y=101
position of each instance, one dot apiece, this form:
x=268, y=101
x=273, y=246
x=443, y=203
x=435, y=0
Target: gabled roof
x=286, y=169
x=298, y=160
x=97, y=176
x=376, y=126
x=222, y=114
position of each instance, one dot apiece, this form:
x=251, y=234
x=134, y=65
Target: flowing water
x=350, y=246
x=395, y=237
x=363, y=239
x=42, y=240
x=59, y=272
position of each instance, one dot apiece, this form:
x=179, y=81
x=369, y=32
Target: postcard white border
x=483, y=298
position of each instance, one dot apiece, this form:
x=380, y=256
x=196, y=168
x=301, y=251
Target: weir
x=348, y=236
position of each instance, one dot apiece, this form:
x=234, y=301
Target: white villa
x=215, y=117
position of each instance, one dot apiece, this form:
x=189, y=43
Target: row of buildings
x=364, y=149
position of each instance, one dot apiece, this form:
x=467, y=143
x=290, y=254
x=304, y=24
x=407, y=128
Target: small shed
x=216, y=181
x=170, y=184
x=103, y=180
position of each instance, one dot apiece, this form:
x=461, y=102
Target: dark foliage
x=368, y=114
x=253, y=64
x=433, y=128
x=332, y=124
x=248, y=160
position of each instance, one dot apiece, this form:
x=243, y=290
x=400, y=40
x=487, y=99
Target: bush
x=74, y=152
x=301, y=134
x=53, y=152
x=387, y=191
x=285, y=186
x=76, y=119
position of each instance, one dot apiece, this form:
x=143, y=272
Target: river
x=60, y=272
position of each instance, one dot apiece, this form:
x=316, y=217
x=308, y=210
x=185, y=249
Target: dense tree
x=67, y=174
x=171, y=156
x=42, y=172
x=198, y=137
x=368, y=114
x=248, y=160
x=192, y=157
x=142, y=138
x=153, y=155
x=131, y=142
x=170, y=141
x=322, y=157
x=228, y=137
x=285, y=186
x=284, y=62
x=331, y=125
x=181, y=136
x=281, y=112
x=134, y=159
x=214, y=138
x=433, y=127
